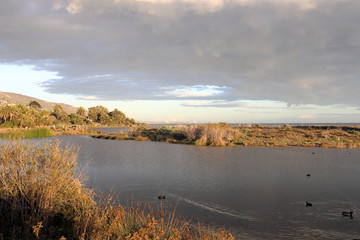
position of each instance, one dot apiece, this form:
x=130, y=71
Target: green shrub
x=39, y=132
x=7, y=124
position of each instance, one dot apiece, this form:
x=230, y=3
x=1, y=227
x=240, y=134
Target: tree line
x=32, y=115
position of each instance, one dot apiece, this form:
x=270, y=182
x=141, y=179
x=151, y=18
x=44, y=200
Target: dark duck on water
x=347, y=214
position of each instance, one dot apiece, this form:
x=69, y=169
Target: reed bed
x=43, y=196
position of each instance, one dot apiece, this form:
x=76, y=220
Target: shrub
x=141, y=138
x=211, y=134
x=7, y=124
x=201, y=142
x=287, y=127
x=39, y=132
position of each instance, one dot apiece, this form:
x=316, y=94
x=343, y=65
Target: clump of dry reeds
x=39, y=186
x=42, y=196
x=210, y=134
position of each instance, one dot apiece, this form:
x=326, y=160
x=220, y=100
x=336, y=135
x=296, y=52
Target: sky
x=243, y=61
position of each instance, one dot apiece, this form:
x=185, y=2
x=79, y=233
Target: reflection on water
x=256, y=192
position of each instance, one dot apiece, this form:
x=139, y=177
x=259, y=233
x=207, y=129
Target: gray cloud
x=118, y=50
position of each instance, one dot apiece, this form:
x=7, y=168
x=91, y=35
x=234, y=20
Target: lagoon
x=255, y=192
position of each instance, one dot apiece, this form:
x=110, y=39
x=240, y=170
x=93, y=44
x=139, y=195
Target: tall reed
x=39, y=184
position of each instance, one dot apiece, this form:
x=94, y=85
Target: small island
x=223, y=134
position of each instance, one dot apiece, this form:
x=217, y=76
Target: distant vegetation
x=33, y=116
x=222, y=134
x=42, y=196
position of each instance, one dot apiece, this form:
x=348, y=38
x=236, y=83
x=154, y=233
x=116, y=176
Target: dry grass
x=42, y=196
x=304, y=137
x=218, y=135
x=40, y=185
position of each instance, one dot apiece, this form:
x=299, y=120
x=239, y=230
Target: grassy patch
x=32, y=133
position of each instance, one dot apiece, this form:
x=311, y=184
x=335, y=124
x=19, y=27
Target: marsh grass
x=32, y=133
x=42, y=196
x=40, y=187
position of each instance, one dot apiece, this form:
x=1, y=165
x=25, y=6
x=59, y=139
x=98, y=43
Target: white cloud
x=193, y=91
x=213, y=104
x=88, y=98
x=74, y=6
x=306, y=116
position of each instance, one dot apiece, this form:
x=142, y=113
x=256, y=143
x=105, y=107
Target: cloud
x=306, y=116
x=212, y=104
x=88, y=97
x=293, y=51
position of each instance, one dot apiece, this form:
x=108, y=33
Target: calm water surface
x=256, y=192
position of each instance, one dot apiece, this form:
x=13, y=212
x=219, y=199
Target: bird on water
x=347, y=214
x=308, y=204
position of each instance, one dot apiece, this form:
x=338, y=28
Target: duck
x=308, y=175
x=308, y=204
x=347, y=214
x=161, y=197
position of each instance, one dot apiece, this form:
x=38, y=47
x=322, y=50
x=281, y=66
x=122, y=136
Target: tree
x=99, y=114
x=76, y=119
x=117, y=117
x=60, y=113
x=35, y=105
x=81, y=112
x=93, y=114
x=8, y=113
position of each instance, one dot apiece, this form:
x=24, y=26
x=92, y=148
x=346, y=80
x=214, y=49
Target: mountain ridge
x=16, y=98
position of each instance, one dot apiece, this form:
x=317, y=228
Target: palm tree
x=8, y=112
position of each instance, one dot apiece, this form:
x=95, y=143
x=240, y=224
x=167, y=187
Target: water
x=256, y=192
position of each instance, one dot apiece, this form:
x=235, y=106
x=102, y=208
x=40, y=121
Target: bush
x=211, y=134
x=7, y=124
x=141, y=138
x=39, y=132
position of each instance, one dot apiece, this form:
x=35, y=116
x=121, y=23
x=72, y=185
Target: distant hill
x=14, y=98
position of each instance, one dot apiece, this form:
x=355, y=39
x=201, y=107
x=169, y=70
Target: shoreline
x=224, y=135
x=218, y=135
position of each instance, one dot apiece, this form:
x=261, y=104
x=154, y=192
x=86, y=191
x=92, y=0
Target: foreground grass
x=224, y=135
x=42, y=196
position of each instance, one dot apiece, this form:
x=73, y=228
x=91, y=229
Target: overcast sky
x=188, y=60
